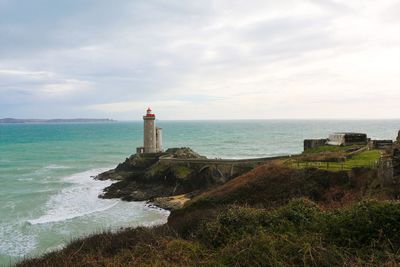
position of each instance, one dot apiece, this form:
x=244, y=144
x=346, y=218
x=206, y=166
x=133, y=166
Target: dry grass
x=300, y=233
x=270, y=185
x=253, y=221
x=171, y=203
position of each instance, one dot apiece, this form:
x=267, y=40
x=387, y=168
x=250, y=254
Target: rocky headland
x=275, y=214
x=170, y=179
x=162, y=177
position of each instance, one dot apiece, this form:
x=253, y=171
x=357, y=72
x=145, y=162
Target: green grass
x=365, y=157
x=368, y=159
x=159, y=168
x=328, y=148
x=181, y=172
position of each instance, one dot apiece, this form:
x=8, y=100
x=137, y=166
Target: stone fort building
x=347, y=139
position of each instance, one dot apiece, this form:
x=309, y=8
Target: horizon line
x=242, y=119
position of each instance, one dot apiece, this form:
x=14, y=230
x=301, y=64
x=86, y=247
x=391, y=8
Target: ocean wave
x=49, y=168
x=77, y=204
x=55, y=166
x=53, y=218
x=77, y=200
x=18, y=244
x=25, y=179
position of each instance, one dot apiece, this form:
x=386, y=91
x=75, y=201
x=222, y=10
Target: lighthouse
x=152, y=136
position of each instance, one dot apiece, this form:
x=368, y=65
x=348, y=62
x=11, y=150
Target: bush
x=236, y=221
x=368, y=223
x=299, y=213
x=232, y=224
x=275, y=249
x=297, y=234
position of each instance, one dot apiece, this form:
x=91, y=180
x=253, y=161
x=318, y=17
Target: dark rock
x=144, y=177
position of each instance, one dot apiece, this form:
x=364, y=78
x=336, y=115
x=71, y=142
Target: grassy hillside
x=300, y=233
x=271, y=216
x=336, y=160
x=272, y=185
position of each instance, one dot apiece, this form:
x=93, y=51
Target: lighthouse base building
x=152, y=135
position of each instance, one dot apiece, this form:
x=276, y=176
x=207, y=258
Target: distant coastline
x=12, y=120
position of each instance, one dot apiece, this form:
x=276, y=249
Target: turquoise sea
x=48, y=196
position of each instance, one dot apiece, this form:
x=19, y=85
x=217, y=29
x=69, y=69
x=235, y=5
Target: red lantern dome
x=149, y=113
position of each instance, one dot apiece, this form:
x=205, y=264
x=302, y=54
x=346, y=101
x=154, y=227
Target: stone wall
x=380, y=144
x=385, y=171
x=314, y=143
x=396, y=172
x=389, y=172
x=396, y=162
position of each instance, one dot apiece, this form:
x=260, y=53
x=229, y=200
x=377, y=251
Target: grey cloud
x=149, y=50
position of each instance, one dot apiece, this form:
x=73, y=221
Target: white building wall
x=159, y=145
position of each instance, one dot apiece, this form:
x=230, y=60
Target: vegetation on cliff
x=300, y=233
x=270, y=216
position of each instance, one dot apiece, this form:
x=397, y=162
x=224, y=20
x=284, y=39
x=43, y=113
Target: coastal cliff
x=272, y=215
x=158, y=176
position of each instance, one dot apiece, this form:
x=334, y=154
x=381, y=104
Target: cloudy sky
x=200, y=59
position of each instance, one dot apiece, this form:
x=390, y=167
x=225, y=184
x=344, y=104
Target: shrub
x=236, y=221
x=296, y=234
x=368, y=223
x=232, y=224
x=275, y=249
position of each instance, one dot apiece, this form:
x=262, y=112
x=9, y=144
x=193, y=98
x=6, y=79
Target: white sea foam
x=25, y=179
x=18, y=243
x=73, y=211
x=55, y=166
x=49, y=168
x=77, y=200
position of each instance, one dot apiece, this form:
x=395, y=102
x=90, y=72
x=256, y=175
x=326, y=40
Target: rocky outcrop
x=133, y=166
x=145, y=177
x=398, y=138
x=183, y=153
x=171, y=203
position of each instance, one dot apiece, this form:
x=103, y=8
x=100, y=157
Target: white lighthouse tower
x=152, y=136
